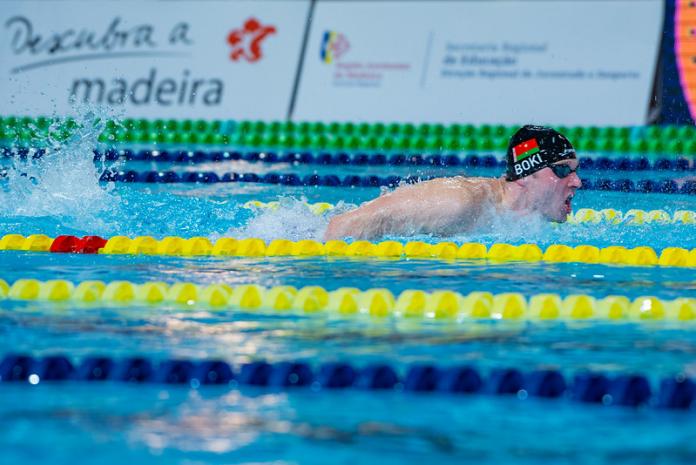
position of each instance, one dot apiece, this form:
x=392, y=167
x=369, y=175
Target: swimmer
x=541, y=178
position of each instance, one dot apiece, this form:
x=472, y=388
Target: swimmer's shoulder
x=459, y=188
x=476, y=183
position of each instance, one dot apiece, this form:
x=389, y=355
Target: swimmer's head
x=533, y=148
x=543, y=163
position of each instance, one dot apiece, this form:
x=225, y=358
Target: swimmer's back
x=442, y=206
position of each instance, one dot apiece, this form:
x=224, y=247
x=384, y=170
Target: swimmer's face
x=552, y=195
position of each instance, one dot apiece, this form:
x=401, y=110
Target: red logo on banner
x=246, y=42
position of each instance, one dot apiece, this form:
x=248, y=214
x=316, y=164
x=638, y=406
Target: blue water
x=107, y=423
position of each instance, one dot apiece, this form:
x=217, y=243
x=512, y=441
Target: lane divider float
x=254, y=247
x=582, y=215
x=669, y=140
x=380, y=159
x=632, y=216
x=623, y=389
x=378, y=303
x=665, y=186
x=341, y=158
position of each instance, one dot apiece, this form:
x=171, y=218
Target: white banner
x=507, y=61
x=174, y=59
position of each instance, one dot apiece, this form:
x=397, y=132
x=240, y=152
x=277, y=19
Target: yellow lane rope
x=583, y=215
x=380, y=303
x=254, y=247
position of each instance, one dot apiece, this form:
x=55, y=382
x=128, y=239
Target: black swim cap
x=533, y=148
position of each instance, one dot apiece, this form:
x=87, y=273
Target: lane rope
x=671, y=140
x=377, y=303
x=665, y=186
x=623, y=389
x=582, y=215
x=255, y=247
x=471, y=160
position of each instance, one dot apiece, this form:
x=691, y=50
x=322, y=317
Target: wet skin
x=447, y=206
x=550, y=195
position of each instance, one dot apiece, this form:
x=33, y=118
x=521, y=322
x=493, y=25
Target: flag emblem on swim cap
x=525, y=149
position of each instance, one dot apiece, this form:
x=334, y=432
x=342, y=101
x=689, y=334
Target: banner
x=173, y=59
x=500, y=61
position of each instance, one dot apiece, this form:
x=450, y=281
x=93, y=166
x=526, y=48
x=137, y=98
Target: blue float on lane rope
x=630, y=390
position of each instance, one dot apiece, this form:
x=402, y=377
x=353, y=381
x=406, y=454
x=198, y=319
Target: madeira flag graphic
x=327, y=42
x=525, y=149
x=333, y=46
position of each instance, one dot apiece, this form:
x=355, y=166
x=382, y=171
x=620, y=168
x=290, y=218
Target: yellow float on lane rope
x=443, y=305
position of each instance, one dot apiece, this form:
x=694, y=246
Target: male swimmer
x=541, y=179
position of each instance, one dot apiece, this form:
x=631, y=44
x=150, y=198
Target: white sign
x=511, y=62
x=178, y=59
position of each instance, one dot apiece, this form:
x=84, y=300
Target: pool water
x=116, y=423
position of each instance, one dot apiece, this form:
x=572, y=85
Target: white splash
x=510, y=227
x=292, y=220
x=65, y=181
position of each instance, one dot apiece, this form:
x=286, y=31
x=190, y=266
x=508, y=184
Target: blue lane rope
x=362, y=159
x=665, y=186
x=587, y=387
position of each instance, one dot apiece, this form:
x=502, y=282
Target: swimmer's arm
x=435, y=207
